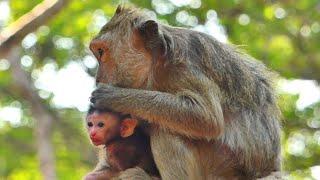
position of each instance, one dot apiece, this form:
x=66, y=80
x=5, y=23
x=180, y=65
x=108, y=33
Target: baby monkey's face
x=102, y=127
x=105, y=126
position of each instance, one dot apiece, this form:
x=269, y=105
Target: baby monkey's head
x=105, y=125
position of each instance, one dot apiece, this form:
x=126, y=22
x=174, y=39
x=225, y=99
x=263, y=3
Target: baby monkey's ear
x=127, y=127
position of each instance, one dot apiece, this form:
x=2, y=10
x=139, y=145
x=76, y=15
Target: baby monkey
x=126, y=145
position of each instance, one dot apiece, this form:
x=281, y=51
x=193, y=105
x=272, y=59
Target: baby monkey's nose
x=92, y=134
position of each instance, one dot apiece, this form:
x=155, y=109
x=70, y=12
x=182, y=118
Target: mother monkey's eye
x=100, y=52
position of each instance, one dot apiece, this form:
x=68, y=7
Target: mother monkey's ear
x=156, y=39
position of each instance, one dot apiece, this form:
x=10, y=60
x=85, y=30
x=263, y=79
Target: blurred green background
x=47, y=74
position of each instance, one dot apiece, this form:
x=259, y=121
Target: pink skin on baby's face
x=102, y=126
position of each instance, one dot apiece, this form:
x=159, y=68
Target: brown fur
x=212, y=108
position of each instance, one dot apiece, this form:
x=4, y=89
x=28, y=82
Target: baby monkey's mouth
x=96, y=141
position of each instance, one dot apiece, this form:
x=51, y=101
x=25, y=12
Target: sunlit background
x=285, y=35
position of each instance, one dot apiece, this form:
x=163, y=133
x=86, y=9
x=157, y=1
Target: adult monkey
x=212, y=108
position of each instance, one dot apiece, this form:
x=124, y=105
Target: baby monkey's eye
x=100, y=124
x=90, y=124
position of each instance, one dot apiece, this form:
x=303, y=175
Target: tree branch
x=43, y=118
x=28, y=23
x=9, y=48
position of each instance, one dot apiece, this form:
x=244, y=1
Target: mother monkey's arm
x=185, y=112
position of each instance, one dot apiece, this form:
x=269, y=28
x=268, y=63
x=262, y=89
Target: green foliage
x=283, y=34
